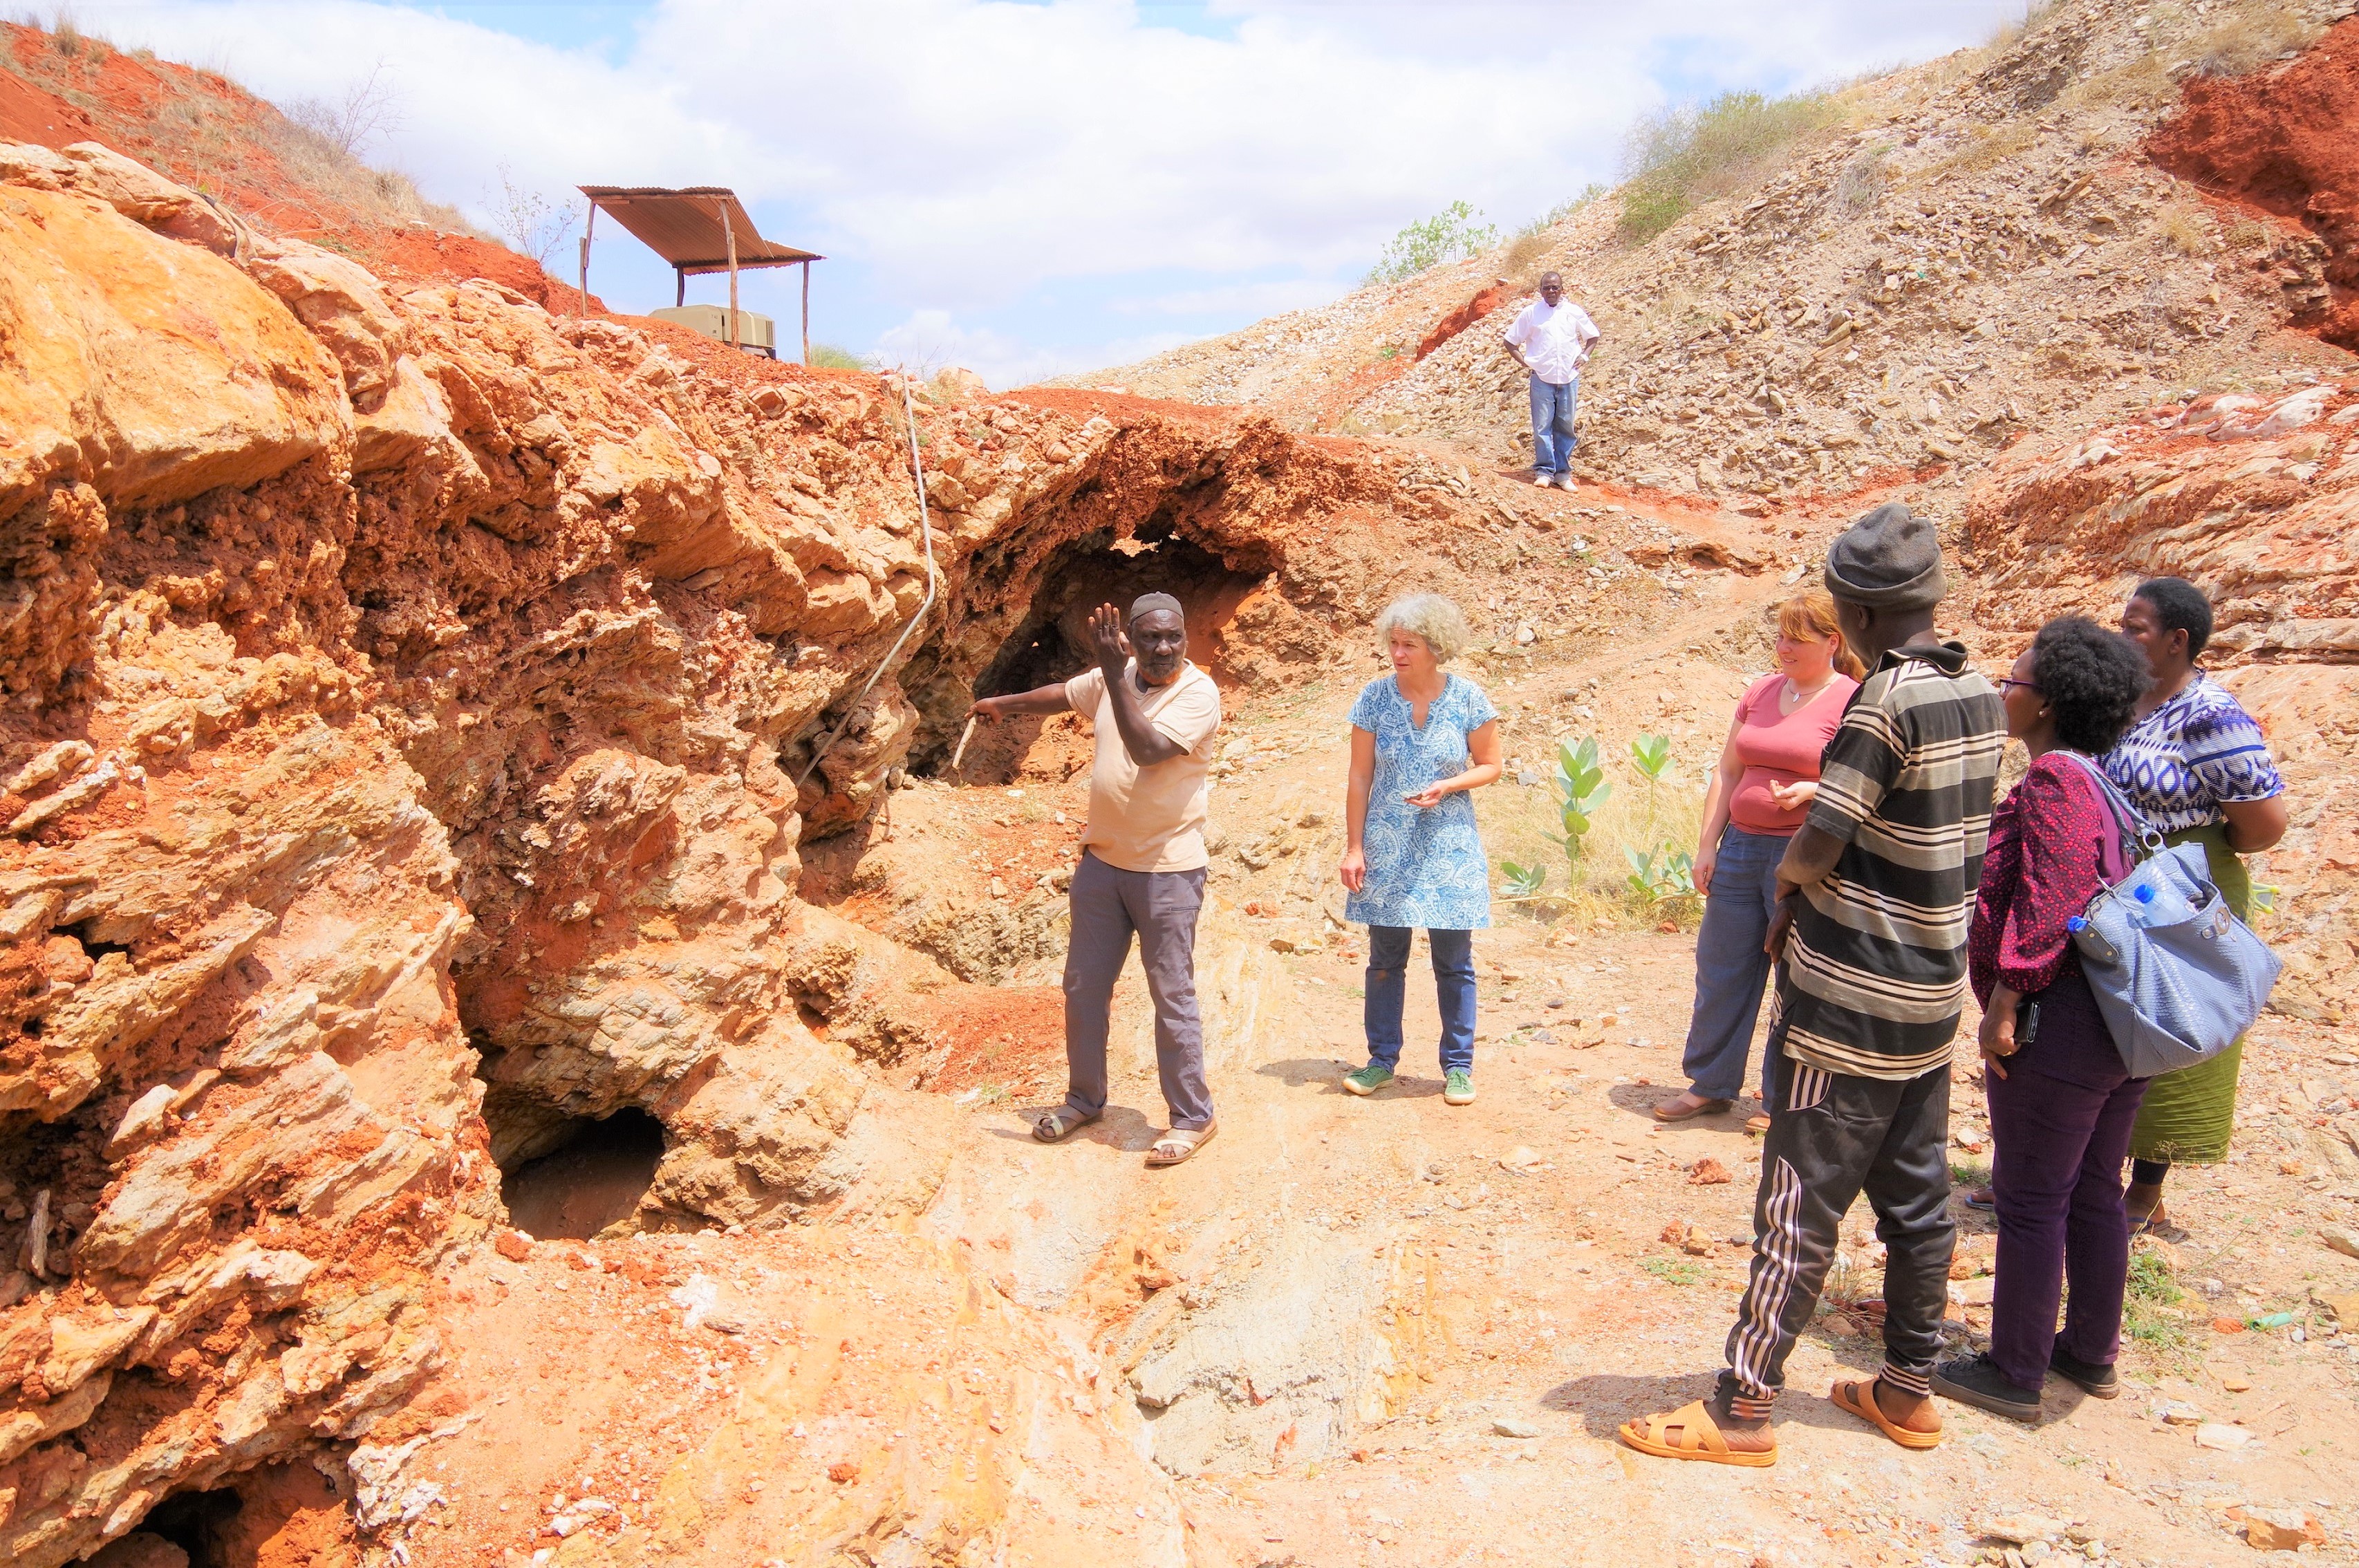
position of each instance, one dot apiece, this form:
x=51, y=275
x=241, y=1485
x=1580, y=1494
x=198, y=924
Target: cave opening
x=1051, y=641
x=199, y=1523
x=578, y=1175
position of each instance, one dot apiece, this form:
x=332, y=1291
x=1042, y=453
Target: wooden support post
x=588, y=229
x=731, y=235
x=679, y=295
x=807, y=314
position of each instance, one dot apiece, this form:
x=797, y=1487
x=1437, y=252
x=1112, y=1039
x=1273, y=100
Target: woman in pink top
x=1769, y=772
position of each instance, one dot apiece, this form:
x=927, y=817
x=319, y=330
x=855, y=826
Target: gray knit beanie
x=1888, y=560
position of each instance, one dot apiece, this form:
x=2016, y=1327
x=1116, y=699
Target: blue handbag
x=2176, y=974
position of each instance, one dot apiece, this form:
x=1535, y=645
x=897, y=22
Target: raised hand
x=1106, y=639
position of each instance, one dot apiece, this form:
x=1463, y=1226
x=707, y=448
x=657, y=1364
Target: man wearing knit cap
x=1143, y=858
x=1874, y=893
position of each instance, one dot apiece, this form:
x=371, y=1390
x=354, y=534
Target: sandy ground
x=1344, y=1306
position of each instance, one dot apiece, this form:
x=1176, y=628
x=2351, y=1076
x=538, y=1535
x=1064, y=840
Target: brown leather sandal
x=1699, y=1437
x=1671, y=1110
x=1859, y=1398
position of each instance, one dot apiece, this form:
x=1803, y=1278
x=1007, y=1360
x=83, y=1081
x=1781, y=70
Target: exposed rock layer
x=410, y=701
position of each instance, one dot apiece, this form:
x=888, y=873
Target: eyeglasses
x=2006, y=680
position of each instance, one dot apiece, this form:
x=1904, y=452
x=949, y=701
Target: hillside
x=207, y=132
x=518, y=1020
x=1980, y=248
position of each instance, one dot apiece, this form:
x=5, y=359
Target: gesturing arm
x=1483, y=767
x=1146, y=745
x=1039, y=700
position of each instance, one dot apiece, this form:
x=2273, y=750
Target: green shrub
x=827, y=357
x=1447, y=235
x=1680, y=157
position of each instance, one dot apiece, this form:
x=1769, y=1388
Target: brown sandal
x=1859, y=1399
x=1699, y=1438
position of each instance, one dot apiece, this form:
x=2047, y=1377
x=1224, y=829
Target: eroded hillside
x=416, y=701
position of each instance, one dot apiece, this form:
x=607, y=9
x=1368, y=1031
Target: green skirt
x=2187, y=1116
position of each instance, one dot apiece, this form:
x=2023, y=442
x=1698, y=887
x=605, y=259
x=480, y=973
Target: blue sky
x=1029, y=187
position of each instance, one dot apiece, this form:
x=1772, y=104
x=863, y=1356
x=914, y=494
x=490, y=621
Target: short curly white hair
x=1431, y=619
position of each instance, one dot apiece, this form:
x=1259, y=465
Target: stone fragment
x=1708, y=1172
x=2022, y=1529
x=2222, y=1436
x=2340, y=1239
x=2177, y=1412
x=62, y=761
x=513, y=1245
x=2281, y=1529
x=1512, y=1426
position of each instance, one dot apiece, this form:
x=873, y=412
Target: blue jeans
x=1387, y=993
x=1552, y=436
x=1731, y=968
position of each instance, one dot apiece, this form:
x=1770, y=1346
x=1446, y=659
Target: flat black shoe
x=1976, y=1380
x=2098, y=1382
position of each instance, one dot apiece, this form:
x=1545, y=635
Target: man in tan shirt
x=1143, y=858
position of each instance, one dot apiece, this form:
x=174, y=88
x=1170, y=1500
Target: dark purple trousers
x=2060, y=1120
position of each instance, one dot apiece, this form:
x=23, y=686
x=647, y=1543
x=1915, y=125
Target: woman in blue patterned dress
x=2198, y=767
x=1420, y=740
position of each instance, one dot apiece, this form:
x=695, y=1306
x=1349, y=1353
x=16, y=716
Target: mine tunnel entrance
x=199, y=1523
x=1052, y=642
x=578, y=1175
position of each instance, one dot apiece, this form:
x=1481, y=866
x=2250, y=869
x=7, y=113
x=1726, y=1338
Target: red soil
x=1465, y=316
x=2287, y=143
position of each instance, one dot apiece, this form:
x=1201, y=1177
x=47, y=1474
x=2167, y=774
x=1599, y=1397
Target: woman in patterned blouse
x=1420, y=741
x=2198, y=767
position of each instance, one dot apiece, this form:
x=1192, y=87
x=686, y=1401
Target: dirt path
x=1389, y=1331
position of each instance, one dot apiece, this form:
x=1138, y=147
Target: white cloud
x=1251, y=301
x=930, y=340
x=978, y=154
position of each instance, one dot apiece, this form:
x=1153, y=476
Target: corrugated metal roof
x=683, y=226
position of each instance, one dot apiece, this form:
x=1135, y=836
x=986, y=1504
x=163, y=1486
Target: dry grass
x=1523, y=251
x=382, y=196
x=2251, y=39
x=1986, y=147
x=2187, y=228
x=1682, y=156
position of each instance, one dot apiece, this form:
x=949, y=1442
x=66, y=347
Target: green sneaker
x=1367, y=1080
x=1458, y=1087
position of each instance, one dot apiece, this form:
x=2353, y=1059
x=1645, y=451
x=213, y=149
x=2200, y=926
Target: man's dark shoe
x=2098, y=1382
x=1976, y=1380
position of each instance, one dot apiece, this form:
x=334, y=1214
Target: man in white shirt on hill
x=1552, y=338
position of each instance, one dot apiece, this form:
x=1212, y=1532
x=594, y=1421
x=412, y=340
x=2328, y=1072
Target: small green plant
x=1659, y=875
x=827, y=357
x=1580, y=789
x=1447, y=235
x=1673, y=1270
x=2150, y=1318
x=1652, y=757
x=1523, y=882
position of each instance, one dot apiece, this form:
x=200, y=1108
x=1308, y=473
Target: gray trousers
x=1108, y=905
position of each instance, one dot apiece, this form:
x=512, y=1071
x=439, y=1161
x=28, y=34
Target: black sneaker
x=1976, y=1380
x=2098, y=1382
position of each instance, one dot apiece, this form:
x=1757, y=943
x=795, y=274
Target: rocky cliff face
x=413, y=708
x=2258, y=500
